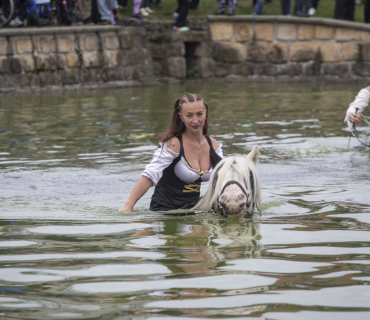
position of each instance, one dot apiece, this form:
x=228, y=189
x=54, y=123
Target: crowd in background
x=38, y=12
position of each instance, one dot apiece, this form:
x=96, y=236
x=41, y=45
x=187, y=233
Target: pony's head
x=234, y=187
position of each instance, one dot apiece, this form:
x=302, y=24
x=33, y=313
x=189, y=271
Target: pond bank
x=239, y=48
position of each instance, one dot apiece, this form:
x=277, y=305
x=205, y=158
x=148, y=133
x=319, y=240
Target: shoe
x=219, y=13
x=149, y=10
x=144, y=12
x=16, y=23
x=105, y=22
x=182, y=29
x=72, y=17
x=175, y=15
x=37, y=21
x=138, y=17
x=231, y=13
x=311, y=11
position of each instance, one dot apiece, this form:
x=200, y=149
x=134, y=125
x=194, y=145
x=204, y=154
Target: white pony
x=234, y=187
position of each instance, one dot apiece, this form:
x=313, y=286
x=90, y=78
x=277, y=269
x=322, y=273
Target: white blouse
x=162, y=158
x=361, y=102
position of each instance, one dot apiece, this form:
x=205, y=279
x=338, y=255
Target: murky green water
x=68, y=161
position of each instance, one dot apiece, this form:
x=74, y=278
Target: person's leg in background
x=194, y=4
x=367, y=11
x=285, y=7
x=183, y=11
x=257, y=8
x=232, y=7
x=221, y=7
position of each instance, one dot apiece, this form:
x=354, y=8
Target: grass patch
x=245, y=7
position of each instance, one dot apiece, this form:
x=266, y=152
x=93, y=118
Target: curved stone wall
x=238, y=48
x=290, y=47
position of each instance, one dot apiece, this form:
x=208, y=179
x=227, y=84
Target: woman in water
x=186, y=156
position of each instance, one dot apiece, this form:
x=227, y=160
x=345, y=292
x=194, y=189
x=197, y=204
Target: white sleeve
x=162, y=158
x=219, y=151
x=361, y=102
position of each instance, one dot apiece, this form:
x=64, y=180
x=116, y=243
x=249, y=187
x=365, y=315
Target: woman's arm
x=140, y=188
x=360, y=103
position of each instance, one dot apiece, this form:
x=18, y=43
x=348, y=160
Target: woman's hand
x=354, y=117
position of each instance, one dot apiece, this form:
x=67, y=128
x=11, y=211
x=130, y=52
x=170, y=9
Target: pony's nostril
x=241, y=197
x=223, y=198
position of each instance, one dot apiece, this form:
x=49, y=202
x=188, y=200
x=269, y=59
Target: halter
x=222, y=191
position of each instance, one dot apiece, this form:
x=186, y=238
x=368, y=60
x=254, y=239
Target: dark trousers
x=285, y=7
x=367, y=11
x=345, y=10
x=314, y=3
x=193, y=4
x=182, y=10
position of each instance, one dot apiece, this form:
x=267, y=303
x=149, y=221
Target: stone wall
x=239, y=48
x=289, y=47
x=73, y=57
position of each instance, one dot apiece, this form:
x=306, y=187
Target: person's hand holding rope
x=354, y=118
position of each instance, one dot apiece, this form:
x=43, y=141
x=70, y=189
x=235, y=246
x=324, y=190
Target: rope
x=355, y=131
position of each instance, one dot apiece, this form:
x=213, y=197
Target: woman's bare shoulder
x=215, y=144
x=173, y=144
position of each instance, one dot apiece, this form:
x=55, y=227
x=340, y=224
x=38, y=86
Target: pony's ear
x=253, y=155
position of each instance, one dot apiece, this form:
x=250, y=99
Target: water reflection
x=67, y=163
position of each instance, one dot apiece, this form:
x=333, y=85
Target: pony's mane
x=242, y=165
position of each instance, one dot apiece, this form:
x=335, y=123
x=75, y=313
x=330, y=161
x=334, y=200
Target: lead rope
x=355, y=131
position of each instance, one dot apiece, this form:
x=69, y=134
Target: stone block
x=45, y=78
x=57, y=78
x=365, y=36
x=176, y=67
x=16, y=65
x=342, y=34
x=10, y=81
x=222, y=69
x=157, y=67
x=204, y=49
x=112, y=58
x=266, y=69
x=305, y=32
x=324, y=33
x=70, y=76
x=229, y=52
x=312, y=69
x=337, y=69
x=72, y=60
x=5, y=65
x=28, y=63
x=91, y=59
x=60, y=61
x=65, y=45
x=90, y=76
x=351, y=51
x=115, y=74
x=221, y=31
x=3, y=46
x=23, y=45
x=331, y=52
x=25, y=80
x=89, y=42
x=291, y=70
x=42, y=62
x=244, y=69
x=111, y=41
x=243, y=32
x=361, y=69
x=206, y=68
x=158, y=50
x=303, y=51
x=278, y=53
x=176, y=49
x=132, y=72
x=258, y=51
x=365, y=51
x=264, y=31
x=125, y=38
x=287, y=31
x=136, y=56
x=43, y=45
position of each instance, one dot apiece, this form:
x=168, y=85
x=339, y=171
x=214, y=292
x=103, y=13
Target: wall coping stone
x=57, y=30
x=295, y=20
